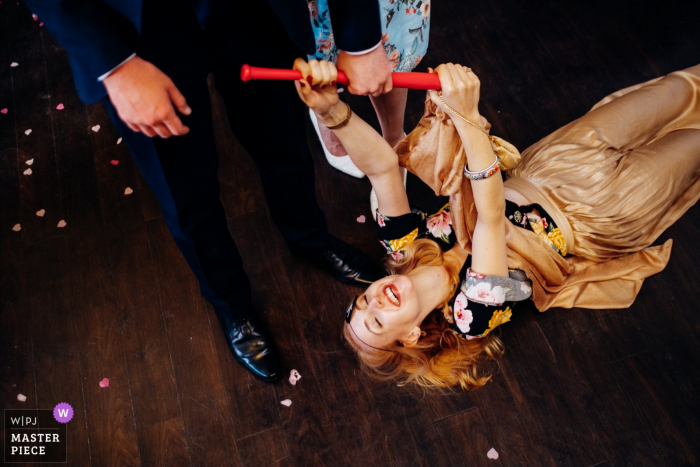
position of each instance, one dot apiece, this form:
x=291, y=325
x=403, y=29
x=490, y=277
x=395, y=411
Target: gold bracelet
x=460, y=115
x=343, y=122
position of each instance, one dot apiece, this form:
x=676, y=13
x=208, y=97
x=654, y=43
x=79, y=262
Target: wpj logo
x=36, y=435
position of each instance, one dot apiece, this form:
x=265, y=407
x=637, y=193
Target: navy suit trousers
x=266, y=117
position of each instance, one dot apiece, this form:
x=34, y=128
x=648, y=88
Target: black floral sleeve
x=396, y=233
x=483, y=303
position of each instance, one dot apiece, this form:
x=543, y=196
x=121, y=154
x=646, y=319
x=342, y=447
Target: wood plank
x=32, y=112
x=665, y=397
x=273, y=298
x=58, y=374
x=110, y=417
x=263, y=449
x=8, y=137
x=197, y=370
x=155, y=399
x=164, y=443
x=579, y=346
x=16, y=349
x=91, y=278
x=109, y=412
x=466, y=440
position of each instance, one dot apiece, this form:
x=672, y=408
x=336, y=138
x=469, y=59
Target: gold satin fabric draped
x=613, y=181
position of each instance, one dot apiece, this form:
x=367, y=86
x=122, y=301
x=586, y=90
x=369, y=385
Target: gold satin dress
x=612, y=180
x=624, y=172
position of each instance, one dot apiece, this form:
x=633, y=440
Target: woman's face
x=387, y=312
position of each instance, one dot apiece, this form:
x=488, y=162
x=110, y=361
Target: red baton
x=410, y=80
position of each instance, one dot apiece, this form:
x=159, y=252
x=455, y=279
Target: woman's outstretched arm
x=367, y=149
x=460, y=89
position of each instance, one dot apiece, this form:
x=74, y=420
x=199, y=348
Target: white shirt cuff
x=115, y=68
x=364, y=51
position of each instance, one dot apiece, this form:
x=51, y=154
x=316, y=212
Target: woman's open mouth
x=392, y=294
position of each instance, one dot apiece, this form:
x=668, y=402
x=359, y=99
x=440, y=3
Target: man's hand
x=369, y=73
x=144, y=98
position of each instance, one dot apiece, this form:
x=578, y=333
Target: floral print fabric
x=396, y=233
x=405, y=30
x=532, y=217
x=482, y=303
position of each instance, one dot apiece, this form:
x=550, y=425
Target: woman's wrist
x=334, y=114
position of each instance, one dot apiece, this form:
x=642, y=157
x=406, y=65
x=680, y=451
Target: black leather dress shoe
x=252, y=347
x=345, y=262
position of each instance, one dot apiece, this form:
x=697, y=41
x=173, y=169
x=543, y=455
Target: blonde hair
x=440, y=358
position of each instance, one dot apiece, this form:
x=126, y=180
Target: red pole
x=400, y=80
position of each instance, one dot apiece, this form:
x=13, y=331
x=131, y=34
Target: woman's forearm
x=373, y=156
x=367, y=149
x=489, y=197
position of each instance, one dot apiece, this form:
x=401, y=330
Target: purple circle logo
x=63, y=412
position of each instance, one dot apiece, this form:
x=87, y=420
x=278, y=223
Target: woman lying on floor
x=592, y=195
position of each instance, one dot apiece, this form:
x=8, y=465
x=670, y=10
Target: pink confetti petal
x=492, y=454
x=61, y=224
x=361, y=219
x=41, y=212
x=14, y=64
x=27, y=172
x=30, y=161
x=3, y=111
x=286, y=402
x=294, y=376
x=128, y=191
x=34, y=17
x=21, y=397
x=119, y=141
x=104, y=383
x=60, y=107
x=17, y=228
x=96, y=128
x=41, y=25
x=114, y=162
x=27, y=132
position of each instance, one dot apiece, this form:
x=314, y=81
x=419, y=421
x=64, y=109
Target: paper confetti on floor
x=361, y=219
x=61, y=224
x=27, y=172
x=119, y=141
x=492, y=454
x=21, y=397
x=14, y=64
x=17, y=228
x=104, y=383
x=128, y=191
x=96, y=128
x=30, y=161
x=3, y=111
x=60, y=107
x=286, y=402
x=41, y=212
x=294, y=376
x=27, y=132
x=114, y=162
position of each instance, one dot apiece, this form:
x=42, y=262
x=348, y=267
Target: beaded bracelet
x=486, y=173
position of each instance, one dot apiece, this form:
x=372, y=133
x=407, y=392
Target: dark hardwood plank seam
x=455, y=414
x=629, y=356
x=641, y=419
x=167, y=337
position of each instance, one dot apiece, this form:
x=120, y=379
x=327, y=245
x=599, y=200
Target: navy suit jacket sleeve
x=96, y=37
x=356, y=24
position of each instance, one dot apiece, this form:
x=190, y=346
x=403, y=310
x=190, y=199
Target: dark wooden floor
x=110, y=296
